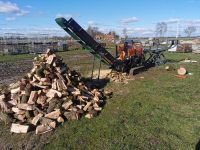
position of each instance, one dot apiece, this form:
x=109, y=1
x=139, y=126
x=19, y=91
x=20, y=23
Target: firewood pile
x=47, y=96
x=119, y=77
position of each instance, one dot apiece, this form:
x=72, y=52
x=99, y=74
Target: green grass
x=157, y=112
x=13, y=58
x=160, y=111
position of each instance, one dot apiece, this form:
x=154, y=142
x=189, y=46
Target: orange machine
x=128, y=50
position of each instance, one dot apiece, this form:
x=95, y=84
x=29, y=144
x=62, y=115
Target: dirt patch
x=12, y=71
x=29, y=141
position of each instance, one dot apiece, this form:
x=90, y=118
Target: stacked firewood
x=48, y=95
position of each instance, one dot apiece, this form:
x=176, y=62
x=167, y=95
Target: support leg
x=99, y=68
x=93, y=67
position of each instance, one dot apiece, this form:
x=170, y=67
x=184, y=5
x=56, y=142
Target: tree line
x=161, y=29
x=93, y=31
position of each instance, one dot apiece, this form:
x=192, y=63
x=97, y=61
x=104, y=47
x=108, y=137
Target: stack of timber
x=47, y=96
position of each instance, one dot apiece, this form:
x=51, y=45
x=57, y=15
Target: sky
x=139, y=17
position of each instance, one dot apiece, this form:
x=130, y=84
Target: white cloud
x=8, y=7
x=91, y=22
x=7, y=29
x=104, y=30
x=139, y=30
x=172, y=20
x=33, y=31
x=94, y=23
x=11, y=8
x=22, y=13
x=66, y=16
x=194, y=21
x=148, y=33
x=182, y=21
x=28, y=6
x=48, y=29
x=10, y=18
x=129, y=20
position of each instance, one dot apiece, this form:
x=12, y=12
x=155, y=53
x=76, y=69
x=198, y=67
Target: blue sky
x=138, y=16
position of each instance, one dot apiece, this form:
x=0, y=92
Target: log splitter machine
x=129, y=59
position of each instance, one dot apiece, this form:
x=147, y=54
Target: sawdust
x=119, y=77
x=113, y=76
x=103, y=73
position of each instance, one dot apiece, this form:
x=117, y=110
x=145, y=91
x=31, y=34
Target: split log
x=52, y=93
x=41, y=129
x=71, y=115
x=89, y=116
x=33, y=97
x=14, y=85
x=25, y=106
x=13, y=91
x=21, y=117
x=12, y=102
x=4, y=106
x=53, y=115
x=87, y=105
x=40, y=86
x=52, y=105
x=59, y=86
x=45, y=121
x=52, y=124
x=67, y=105
x=2, y=97
x=60, y=120
x=36, y=119
x=82, y=98
x=73, y=90
x=96, y=107
x=17, y=128
x=18, y=111
x=41, y=100
x=54, y=84
x=50, y=59
x=37, y=77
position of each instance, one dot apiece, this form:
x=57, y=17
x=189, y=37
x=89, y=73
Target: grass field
x=13, y=58
x=157, y=112
x=160, y=111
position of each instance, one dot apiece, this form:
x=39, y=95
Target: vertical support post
x=116, y=51
x=99, y=67
x=93, y=67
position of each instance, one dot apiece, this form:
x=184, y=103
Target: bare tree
x=161, y=29
x=93, y=31
x=114, y=34
x=90, y=30
x=125, y=33
x=189, y=30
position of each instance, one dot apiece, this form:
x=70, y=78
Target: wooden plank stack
x=184, y=48
x=48, y=95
